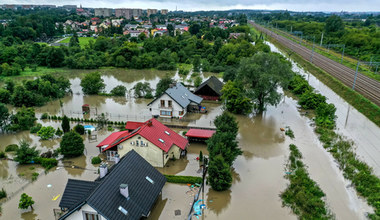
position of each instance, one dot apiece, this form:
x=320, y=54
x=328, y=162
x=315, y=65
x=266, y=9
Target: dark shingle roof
x=132, y=170
x=214, y=83
x=76, y=192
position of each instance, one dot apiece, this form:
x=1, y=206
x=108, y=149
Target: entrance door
x=111, y=155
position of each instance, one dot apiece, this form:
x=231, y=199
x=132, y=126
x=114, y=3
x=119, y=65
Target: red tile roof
x=200, y=133
x=155, y=132
x=132, y=125
x=112, y=138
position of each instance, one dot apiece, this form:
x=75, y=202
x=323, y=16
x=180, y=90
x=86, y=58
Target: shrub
x=48, y=163
x=25, y=154
x=11, y=147
x=34, y=176
x=2, y=155
x=96, y=160
x=46, y=132
x=72, y=144
x=79, y=129
x=58, y=132
x=44, y=116
x=119, y=91
x=35, y=128
x=3, y=194
x=311, y=100
x=25, y=201
x=183, y=179
x=289, y=132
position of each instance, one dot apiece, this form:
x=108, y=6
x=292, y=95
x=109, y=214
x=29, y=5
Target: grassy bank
x=303, y=195
x=183, y=179
x=39, y=71
x=83, y=41
x=362, y=104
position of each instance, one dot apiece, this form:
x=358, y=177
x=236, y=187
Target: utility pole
x=344, y=46
x=356, y=75
x=312, y=53
x=321, y=40
x=291, y=28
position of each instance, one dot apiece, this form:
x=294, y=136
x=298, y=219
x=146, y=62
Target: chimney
x=103, y=170
x=117, y=158
x=124, y=190
x=149, y=123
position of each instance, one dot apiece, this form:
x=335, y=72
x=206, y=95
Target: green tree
x=46, y=132
x=196, y=63
x=23, y=120
x=92, y=84
x=55, y=57
x=219, y=174
x=71, y=144
x=79, y=129
x=119, y=90
x=142, y=89
x=226, y=122
x=25, y=153
x=163, y=85
x=59, y=132
x=197, y=81
x=65, y=124
x=261, y=75
x=4, y=117
x=102, y=120
x=74, y=40
x=25, y=201
x=234, y=98
x=21, y=61
x=5, y=96
x=334, y=24
x=225, y=144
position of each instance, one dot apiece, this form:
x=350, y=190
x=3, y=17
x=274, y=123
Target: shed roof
x=112, y=138
x=132, y=125
x=200, y=133
x=212, y=82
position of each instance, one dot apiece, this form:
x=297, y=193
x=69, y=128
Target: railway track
x=364, y=85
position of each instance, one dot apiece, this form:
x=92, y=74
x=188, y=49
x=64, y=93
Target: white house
x=175, y=102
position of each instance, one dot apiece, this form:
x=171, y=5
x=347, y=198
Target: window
x=142, y=143
x=90, y=216
x=137, y=143
x=170, y=103
x=166, y=113
x=162, y=103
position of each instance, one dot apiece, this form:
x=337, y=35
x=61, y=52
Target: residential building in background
x=124, y=12
x=136, y=12
x=70, y=7
x=151, y=11
x=164, y=11
x=105, y=12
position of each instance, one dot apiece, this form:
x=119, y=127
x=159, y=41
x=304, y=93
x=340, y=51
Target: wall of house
x=176, y=107
x=173, y=151
x=151, y=153
x=78, y=215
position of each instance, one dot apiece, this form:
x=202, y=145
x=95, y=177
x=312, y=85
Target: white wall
x=176, y=107
x=78, y=215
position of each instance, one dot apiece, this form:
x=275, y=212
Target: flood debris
x=177, y=212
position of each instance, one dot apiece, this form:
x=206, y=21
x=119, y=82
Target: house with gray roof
x=176, y=101
x=128, y=191
x=211, y=89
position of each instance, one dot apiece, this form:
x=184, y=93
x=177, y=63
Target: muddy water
x=350, y=122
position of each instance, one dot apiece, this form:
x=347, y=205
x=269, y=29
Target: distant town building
x=124, y=12
x=164, y=11
x=105, y=12
x=136, y=12
x=151, y=11
x=70, y=7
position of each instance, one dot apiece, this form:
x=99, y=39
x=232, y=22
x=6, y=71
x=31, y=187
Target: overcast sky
x=194, y=5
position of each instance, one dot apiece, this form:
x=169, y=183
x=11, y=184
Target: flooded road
x=258, y=175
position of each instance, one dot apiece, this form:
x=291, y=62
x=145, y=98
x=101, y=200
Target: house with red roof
x=152, y=140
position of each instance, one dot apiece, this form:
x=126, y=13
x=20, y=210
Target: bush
x=2, y=155
x=79, y=129
x=289, y=132
x=58, y=132
x=96, y=160
x=46, y=132
x=44, y=116
x=11, y=147
x=26, y=154
x=72, y=144
x=35, y=128
x=183, y=179
x=3, y=194
x=119, y=91
x=311, y=100
x=48, y=163
x=34, y=176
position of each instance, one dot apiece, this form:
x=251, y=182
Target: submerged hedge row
x=90, y=120
x=183, y=179
x=361, y=175
x=303, y=195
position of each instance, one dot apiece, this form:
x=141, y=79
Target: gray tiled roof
x=212, y=82
x=132, y=170
x=76, y=192
x=182, y=95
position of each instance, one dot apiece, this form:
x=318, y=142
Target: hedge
x=183, y=179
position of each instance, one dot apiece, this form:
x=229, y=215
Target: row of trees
x=223, y=150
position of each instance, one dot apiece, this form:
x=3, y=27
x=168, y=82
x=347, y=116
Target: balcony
x=166, y=107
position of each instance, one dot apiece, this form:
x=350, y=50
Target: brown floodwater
x=258, y=174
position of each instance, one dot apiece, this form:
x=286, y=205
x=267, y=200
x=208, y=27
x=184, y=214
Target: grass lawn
x=82, y=40
x=41, y=70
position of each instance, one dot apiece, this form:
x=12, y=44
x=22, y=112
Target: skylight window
x=166, y=132
x=162, y=141
x=185, y=94
x=149, y=179
x=121, y=209
x=182, y=97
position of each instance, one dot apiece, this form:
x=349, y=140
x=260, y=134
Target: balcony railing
x=166, y=107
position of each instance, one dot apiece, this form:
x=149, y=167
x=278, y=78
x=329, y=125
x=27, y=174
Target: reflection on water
x=218, y=201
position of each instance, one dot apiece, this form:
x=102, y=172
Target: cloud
x=192, y=5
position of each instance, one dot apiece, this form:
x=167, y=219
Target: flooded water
x=258, y=174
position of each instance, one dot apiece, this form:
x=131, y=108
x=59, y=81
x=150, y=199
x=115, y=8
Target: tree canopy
x=71, y=144
x=92, y=84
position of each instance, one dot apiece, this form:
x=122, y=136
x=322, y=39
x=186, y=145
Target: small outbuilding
x=199, y=134
x=211, y=89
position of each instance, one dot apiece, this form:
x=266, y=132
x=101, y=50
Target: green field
x=82, y=40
